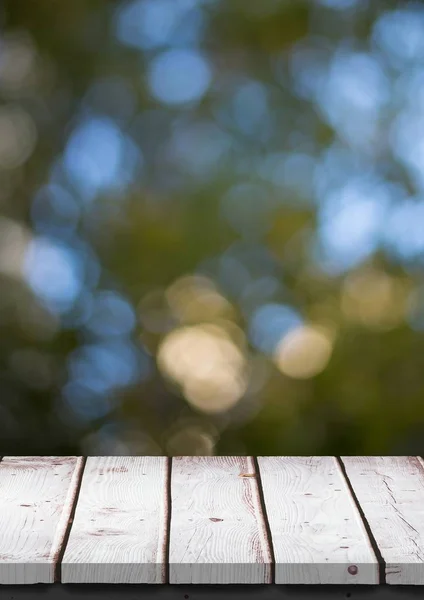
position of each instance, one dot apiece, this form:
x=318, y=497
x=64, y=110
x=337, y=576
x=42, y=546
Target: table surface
x=212, y=520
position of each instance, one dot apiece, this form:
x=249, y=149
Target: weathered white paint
x=218, y=532
x=119, y=529
x=317, y=533
x=390, y=491
x=36, y=499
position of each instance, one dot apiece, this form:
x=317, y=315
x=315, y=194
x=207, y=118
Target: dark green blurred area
x=212, y=227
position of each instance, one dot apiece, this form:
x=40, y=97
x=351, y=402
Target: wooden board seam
x=265, y=517
x=371, y=538
x=72, y=501
x=168, y=514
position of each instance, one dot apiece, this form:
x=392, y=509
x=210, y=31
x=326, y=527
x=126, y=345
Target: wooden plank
x=390, y=491
x=119, y=531
x=218, y=532
x=317, y=532
x=36, y=499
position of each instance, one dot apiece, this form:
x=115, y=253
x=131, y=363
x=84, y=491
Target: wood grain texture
x=36, y=499
x=317, y=532
x=120, y=524
x=390, y=491
x=218, y=533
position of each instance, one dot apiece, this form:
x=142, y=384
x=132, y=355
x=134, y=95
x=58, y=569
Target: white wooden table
x=212, y=520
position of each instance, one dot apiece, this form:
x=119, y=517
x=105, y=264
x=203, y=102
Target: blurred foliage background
x=212, y=227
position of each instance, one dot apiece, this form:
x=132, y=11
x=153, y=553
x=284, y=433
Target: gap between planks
x=373, y=542
x=74, y=501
